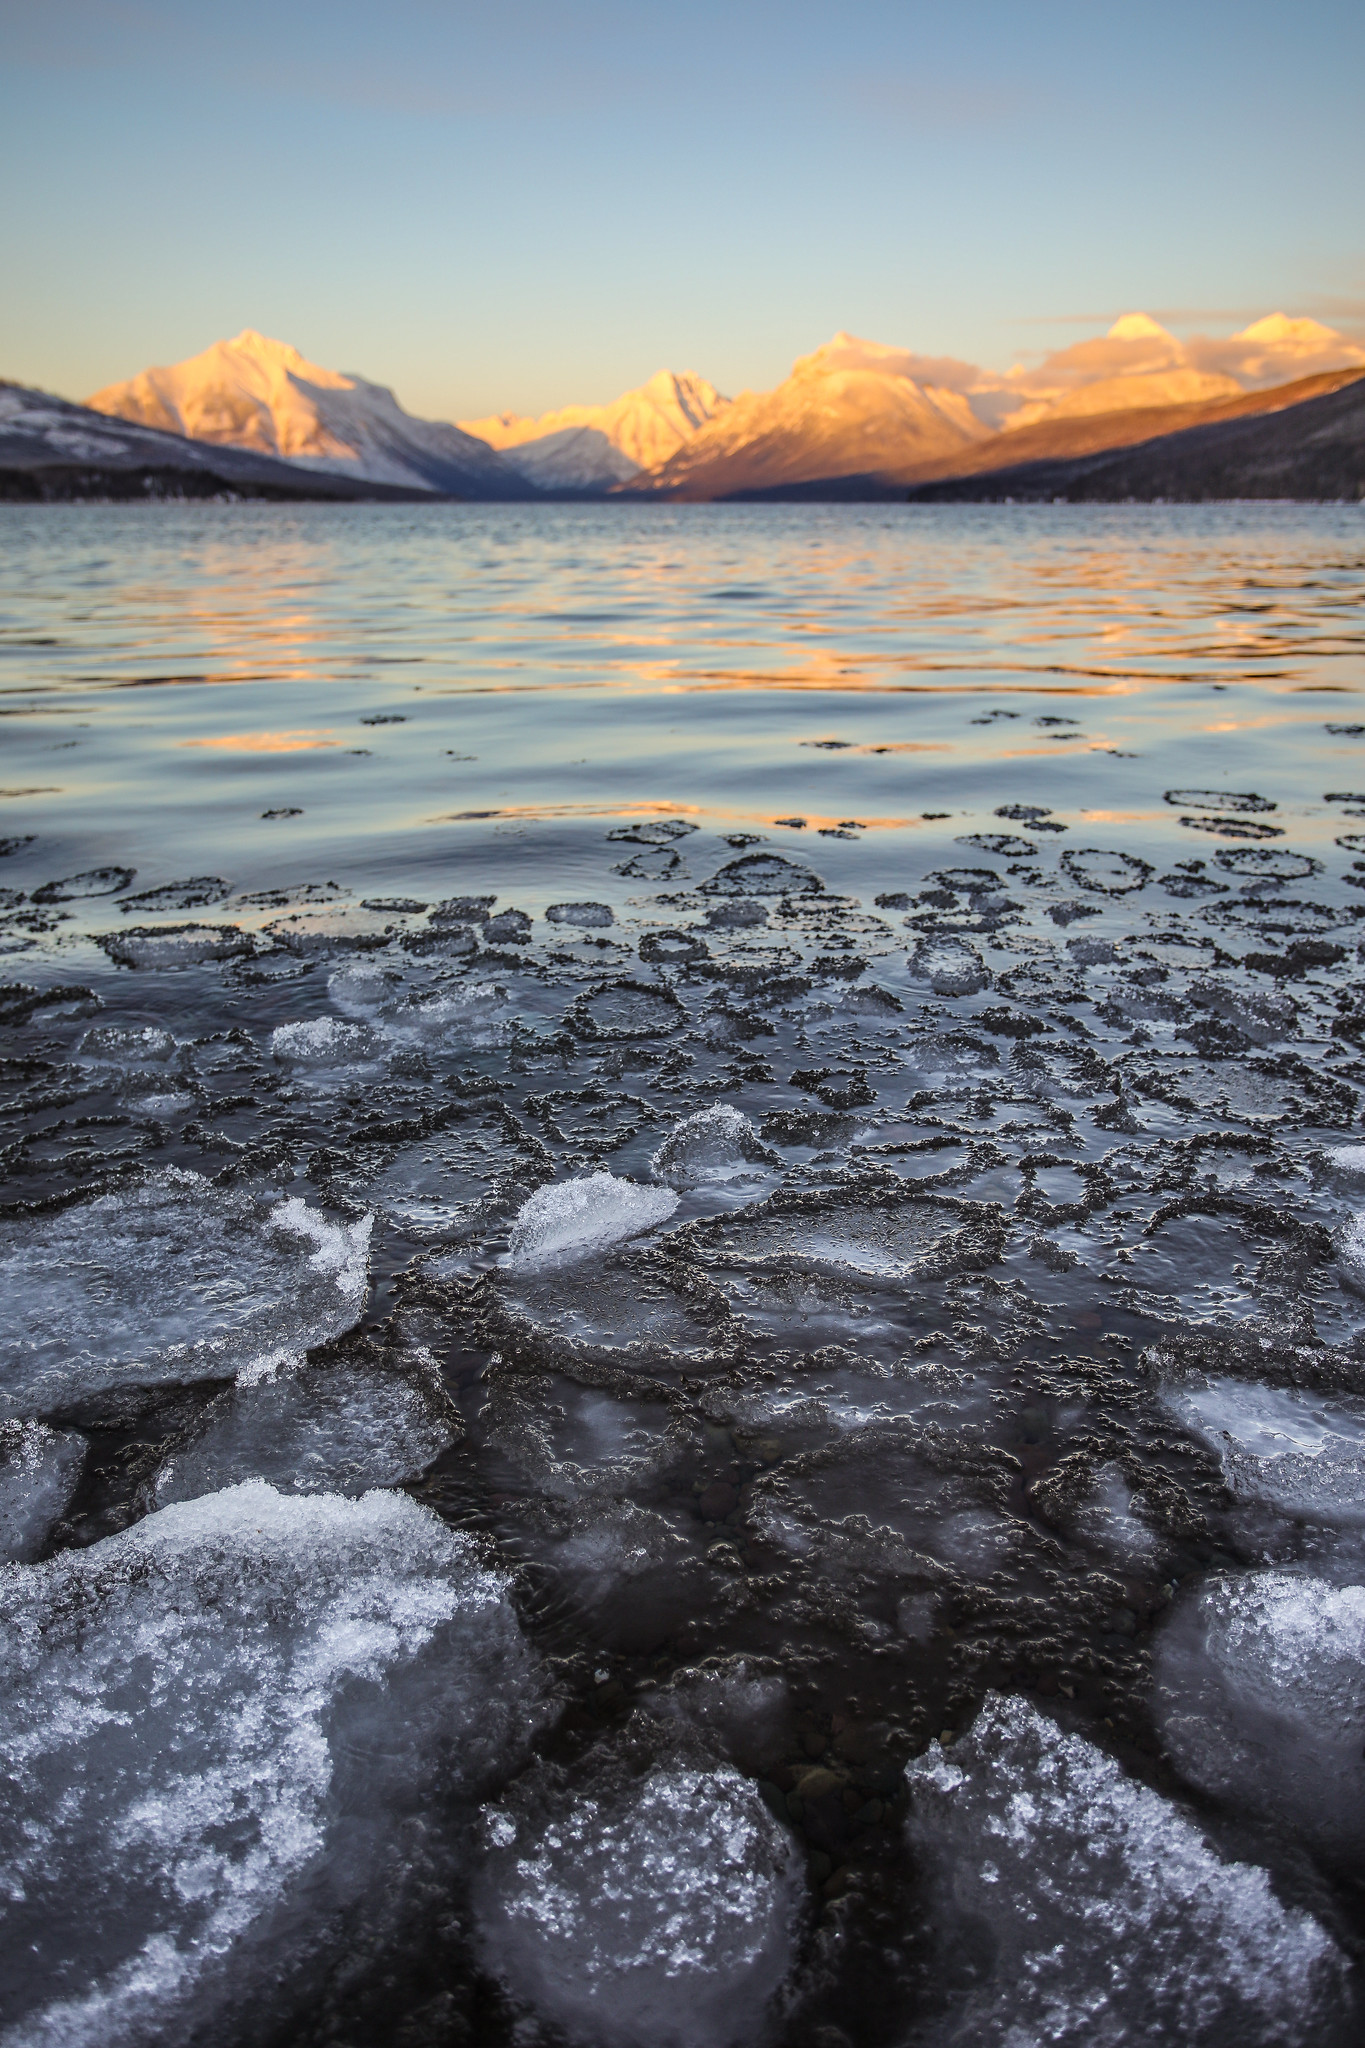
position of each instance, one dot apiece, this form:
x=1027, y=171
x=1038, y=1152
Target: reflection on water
x=848, y=1186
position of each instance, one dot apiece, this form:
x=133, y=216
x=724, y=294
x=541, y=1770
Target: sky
x=514, y=207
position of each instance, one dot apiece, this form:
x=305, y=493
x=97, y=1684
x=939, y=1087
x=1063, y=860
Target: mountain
x=590, y=447
x=1304, y=440
x=262, y=395
x=1139, y=365
x=53, y=450
x=852, y=409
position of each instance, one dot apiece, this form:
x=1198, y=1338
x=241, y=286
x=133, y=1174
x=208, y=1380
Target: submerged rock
x=219, y=1731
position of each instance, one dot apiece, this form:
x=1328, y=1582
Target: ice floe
x=1261, y=1699
x=219, y=1730
x=172, y=1280
x=1106, y=1913
x=659, y=1910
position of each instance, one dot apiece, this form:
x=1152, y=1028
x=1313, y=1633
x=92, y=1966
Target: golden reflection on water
x=266, y=742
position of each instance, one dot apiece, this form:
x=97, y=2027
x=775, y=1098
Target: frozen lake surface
x=682, y=1276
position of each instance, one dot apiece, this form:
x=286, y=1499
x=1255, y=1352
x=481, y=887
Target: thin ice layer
x=574, y=1217
x=339, y=1428
x=652, y=1912
x=215, y=1728
x=1303, y=1454
x=1261, y=1699
x=1108, y=1917
x=172, y=1281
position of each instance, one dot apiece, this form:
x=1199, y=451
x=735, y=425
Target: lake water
x=788, y=1081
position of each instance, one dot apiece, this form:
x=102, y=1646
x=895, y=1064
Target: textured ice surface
x=1351, y=1253
x=171, y=1281
x=718, y=1144
x=40, y=1469
x=1096, y=1911
x=220, y=1731
x=1107, y=1519
x=1297, y=1450
x=658, y=1911
x=335, y=1428
x=571, y=1218
x=1261, y=1700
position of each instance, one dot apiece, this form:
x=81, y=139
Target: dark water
x=1003, y=869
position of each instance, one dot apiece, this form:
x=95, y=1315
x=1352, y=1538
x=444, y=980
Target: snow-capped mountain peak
x=258, y=393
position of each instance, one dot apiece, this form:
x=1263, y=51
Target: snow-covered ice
x=572, y=1218
x=221, y=1730
x=1260, y=1695
x=40, y=1469
x=659, y=1910
x=170, y=1281
x=1108, y=1916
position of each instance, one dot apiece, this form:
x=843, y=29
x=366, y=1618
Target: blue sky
x=511, y=207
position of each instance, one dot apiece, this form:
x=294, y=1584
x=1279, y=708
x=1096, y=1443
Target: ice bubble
x=587, y=916
x=1350, y=1243
x=326, y=1041
x=339, y=1428
x=571, y=1218
x=1261, y=1699
x=718, y=1144
x=1107, y=1519
x=1279, y=1444
x=175, y=945
x=659, y=1911
x=745, y=1710
x=215, y=1727
x=763, y=874
x=1346, y=1163
x=1264, y=1019
x=950, y=966
x=1108, y=1916
x=171, y=1281
x=40, y=1469
x=118, y=1045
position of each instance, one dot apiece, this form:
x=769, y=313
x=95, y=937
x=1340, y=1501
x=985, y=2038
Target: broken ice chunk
x=718, y=1144
x=1108, y=1915
x=40, y=1469
x=339, y=1428
x=571, y=1218
x=1280, y=1444
x=1261, y=1699
x=640, y=1912
x=214, y=1728
x=171, y=1281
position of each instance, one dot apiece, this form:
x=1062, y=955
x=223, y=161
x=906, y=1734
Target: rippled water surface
x=682, y=1234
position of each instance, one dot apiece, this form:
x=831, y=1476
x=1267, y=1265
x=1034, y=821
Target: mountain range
x=854, y=419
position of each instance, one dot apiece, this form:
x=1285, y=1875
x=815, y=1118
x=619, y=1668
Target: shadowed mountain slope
x=1304, y=441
